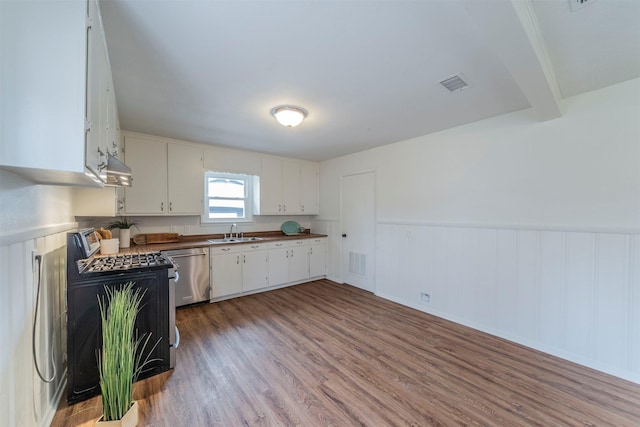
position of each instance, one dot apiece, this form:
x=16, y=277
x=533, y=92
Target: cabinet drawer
x=254, y=247
x=317, y=241
x=278, y=245
x=221, y=250
x=297, y=243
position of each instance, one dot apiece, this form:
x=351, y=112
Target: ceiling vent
x=579, y=4
x=455, y=83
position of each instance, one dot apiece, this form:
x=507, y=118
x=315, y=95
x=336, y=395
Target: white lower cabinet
x=298, y=260
x=255, y=267
x=239, y=269
x=226, y=271
x=317, y=257
x=278, y=263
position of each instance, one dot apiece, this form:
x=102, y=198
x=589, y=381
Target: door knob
x=344, y=235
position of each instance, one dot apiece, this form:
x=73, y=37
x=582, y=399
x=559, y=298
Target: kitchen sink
x=235, y=240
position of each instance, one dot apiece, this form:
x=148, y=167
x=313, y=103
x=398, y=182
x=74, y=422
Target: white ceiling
x=367, y=71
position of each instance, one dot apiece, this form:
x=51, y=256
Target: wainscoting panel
x=25, y=400
x=572, y=294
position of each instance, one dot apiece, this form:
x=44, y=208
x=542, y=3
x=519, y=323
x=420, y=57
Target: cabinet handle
x=244, y=259
x=103, y=164
x=310, y=251
x=238, y=259
x=279, y=208
x=284, y=208
x=302, y=206
x=287, y=254
x=171, y=206
x=161, y=206
x=291, y=253
x=226, y=249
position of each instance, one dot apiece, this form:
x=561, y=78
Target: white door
x=358, y=230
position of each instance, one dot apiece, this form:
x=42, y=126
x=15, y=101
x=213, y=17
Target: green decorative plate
x=291, y=228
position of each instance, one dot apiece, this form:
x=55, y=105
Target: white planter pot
x=130, y=419
x=125, y=237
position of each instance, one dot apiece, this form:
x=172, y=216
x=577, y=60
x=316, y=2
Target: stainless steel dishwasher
x=192, y=285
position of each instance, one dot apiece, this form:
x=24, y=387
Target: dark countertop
x=202, y=240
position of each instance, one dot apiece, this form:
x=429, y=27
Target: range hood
x=118, y=174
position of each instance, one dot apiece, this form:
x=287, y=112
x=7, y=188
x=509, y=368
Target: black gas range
x=100, y=265
x=88, y=276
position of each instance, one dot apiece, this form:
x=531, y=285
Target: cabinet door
x=318, y=259
x=309, y=188
x=148, y=162
x=95, y=156
x=278, y=264
x=298, y=263
x=185, y=179
x=255, y=266
x=226, y=274
x=96, y=201
x=270, y=187
x=291, y=187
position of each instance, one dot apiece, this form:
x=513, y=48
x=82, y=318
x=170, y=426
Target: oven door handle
x=177, y=343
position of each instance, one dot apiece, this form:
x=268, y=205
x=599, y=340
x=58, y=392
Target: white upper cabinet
x=105, y=201
x=57, y=92
x=309, y=179
x=167, y=178
x=229, y=160
x=287, y=187
x=185, y=180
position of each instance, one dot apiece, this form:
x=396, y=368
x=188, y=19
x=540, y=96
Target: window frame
x=248, y=197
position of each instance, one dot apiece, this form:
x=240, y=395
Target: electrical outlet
x=425, y=297
x=34, y=262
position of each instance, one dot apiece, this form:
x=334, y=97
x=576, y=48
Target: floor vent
x=455, y=83
x=358, y=263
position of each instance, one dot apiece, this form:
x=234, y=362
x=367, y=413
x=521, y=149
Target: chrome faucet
x=231, y=231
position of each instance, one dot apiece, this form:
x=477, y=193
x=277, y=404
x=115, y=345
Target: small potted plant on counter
x=124, y=225
x=120, y=359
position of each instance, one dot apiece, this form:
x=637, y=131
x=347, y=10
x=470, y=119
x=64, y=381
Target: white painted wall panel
x=527, y=292
x=568, y=293
x=633, y=306
x=485, y=281
x=506, y=278
x=611, y=292
x=31, y=217
x=579, y=293
x=551, y=299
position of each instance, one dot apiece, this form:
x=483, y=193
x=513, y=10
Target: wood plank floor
x=328, y=354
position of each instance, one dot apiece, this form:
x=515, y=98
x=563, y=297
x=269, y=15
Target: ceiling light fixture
x=289, y=115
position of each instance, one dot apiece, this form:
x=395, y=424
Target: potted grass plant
x=123, y=224
x=120, y=359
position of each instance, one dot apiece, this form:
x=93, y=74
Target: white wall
x=526, y=229
x=32, y=217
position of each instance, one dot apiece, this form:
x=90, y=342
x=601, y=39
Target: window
x=227, y=197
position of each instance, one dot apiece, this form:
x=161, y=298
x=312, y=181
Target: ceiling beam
x=511, y=30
